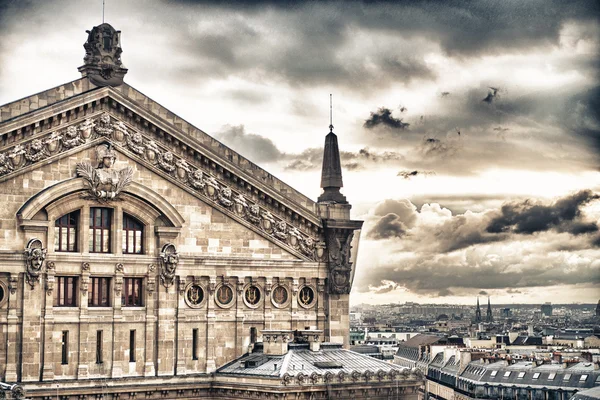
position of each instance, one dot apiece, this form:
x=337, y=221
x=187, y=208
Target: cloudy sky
x=469, y=131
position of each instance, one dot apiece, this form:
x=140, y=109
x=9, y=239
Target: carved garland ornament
x=105, y=184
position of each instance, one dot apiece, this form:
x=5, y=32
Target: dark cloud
x=312, y=158
x=406, y=174
x=388, y=226
x=383, y=117
x=254, y=147
x=529, y=217
x=396, y=217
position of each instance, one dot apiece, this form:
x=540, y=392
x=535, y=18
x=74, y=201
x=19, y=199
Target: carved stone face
x=36, y=145
x=171, y=262
x=108, y=161
x=37, y=258
x=197, y=175
x=137, y=138
x=71, y=132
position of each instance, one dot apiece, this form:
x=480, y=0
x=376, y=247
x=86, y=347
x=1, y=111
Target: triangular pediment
x=181, y=154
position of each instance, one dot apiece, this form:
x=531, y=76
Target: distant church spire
x=598, y=309
x=331, y=174
x=478, y=312
x=488, y=316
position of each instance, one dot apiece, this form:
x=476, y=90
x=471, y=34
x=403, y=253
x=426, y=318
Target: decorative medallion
x=280, y=296
x=224, y=296
x=168, y=264
x=194, y=295
x=252, y=296
x=35, y=255
x=306, y=297
x=104, y=183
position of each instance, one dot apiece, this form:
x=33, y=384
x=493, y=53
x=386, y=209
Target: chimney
x=312, y=336
x=275, y=342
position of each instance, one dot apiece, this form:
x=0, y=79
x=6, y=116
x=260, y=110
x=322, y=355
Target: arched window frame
x=71, y=232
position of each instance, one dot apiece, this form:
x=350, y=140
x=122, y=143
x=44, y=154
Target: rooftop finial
x=330, y=112
x=102, y=61
x=102, y=11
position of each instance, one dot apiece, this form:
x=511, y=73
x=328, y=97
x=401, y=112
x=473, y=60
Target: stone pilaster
x=183, y=341
x=321, y=316
x=239, y=319
x=149, y=366
x=48, y=368
x=86, y=344
x=31, y=339
x=294, y=294
x=167, y=303
x=210, y=331
x=118, y=352
x=12, y=331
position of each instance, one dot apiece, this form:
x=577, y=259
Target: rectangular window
x=98, y=292
x=194, y=344
x=507, y=374
x=494, y=373
x=65, y=347
x=98, y=347
x=551, y=376
x=65, y=232
x=536, y=375
x=132, y=235
x=583, y=378
x=521, y=375
x=66, y=291
x=566, y=377
x=132, y=292
x=132, y=345
x=100, y=230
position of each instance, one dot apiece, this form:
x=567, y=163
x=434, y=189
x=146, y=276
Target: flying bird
x=457, y=131
x=445, y=94
x=406, y=174
x=402, y=109
x=492, y=94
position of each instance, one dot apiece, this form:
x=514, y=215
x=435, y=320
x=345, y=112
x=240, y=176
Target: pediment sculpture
x=104, y=182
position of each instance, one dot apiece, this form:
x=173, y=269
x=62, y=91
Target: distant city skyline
x=469, y=131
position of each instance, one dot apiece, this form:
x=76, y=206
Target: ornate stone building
x=139, y=255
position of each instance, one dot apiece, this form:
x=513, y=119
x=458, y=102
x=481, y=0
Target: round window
x=252, y=296
x=194, y=295
x=306, y=297
x=224, y=296
x=280, y=296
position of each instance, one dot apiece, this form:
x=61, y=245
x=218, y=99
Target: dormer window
x=132, y=235
x=100, y=219
x=65, y=232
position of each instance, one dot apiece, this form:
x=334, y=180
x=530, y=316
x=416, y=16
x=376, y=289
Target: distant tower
x=478, y=312
x=331, y=174
x=488, y=316
x=598, y=309
x=547, y=309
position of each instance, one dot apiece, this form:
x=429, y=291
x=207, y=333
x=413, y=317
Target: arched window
x=100, y=219
x=132, y=235
x=65, y=232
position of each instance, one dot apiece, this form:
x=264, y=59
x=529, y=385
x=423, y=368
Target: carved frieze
x=105, y=183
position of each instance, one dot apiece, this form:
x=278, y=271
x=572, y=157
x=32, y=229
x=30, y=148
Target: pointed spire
x=489, y=317
x=331, y=174
x=478, y=312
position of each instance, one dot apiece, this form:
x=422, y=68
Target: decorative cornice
x=197, y=174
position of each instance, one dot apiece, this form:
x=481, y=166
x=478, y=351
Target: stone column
x=117, y=343
x=151, y=345
x=12, y=331
x=85, y=343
